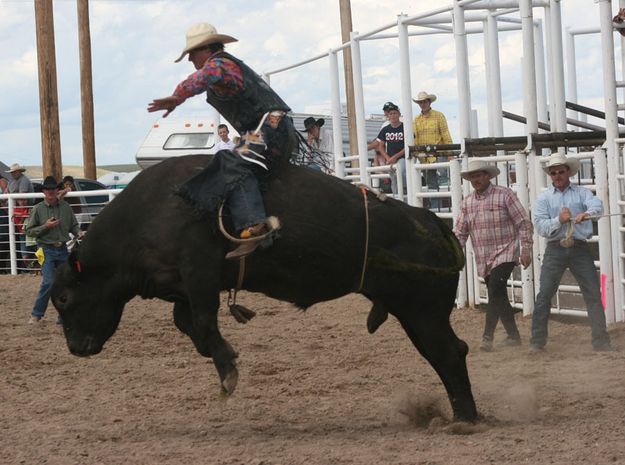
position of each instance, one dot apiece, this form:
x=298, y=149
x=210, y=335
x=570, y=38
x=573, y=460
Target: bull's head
x=88, y=304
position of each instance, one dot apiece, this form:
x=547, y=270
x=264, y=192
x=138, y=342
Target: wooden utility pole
x=346, y=29
x=48, y=97
x=86, y=90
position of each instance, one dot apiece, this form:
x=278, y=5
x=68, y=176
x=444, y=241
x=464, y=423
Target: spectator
x=430, y=128
x=320, y=142
x=224, y=142
x=19, y=184
x=561, y=215
x=4, y=189
x=50, y=222
x=68, y=185
x=4, y=228
x=618, y=20
x=20, y=215
x=496, y=222
x=378, y=159
x=247, y=102
x=391, y=145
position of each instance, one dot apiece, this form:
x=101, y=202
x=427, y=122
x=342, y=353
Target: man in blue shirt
x=561, y=215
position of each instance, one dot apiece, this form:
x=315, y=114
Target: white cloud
x=134, y=45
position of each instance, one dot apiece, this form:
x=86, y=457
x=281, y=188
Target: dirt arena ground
x=314, y=388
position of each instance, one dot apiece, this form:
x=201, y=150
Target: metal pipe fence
x=17, y=251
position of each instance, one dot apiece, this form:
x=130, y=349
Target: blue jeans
x=54, y=257
x=579, y=260
x=246, y=204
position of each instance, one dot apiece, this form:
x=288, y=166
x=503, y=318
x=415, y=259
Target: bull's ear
x=74, y=262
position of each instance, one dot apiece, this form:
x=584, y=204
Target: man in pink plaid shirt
x=496, y=222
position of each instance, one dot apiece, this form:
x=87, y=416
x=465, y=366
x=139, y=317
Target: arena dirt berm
x=315, y=388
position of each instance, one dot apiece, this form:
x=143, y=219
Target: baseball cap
x=388, y=106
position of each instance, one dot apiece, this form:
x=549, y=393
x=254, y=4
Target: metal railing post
x=455, y=182
x=527, y=276
x=361, y=132
x=606, y=243
x=337, y=132
x=406, y=104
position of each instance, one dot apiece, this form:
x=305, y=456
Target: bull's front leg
x=203, y=298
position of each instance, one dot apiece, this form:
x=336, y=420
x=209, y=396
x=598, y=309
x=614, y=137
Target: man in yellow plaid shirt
x=430, y=128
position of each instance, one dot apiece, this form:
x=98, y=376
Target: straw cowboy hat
x=310, y=122
x=203, y=34
x=16, y=167
x=480, y=165
x=559, y=159
x=423, y=95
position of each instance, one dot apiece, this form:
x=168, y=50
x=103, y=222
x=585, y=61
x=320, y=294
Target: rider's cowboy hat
x=559, y=159
x=310, y=122
x=16, y=167
x=50, y=183
x=423, y=95
x=202, y=34
x=476, y=165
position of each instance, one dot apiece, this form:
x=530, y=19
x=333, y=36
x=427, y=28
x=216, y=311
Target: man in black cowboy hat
x=313, y=127
x=255, y=111
x=321, y=144
x=50, y=222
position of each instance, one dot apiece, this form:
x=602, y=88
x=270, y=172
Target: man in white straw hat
x=19, y=183
x=561, y=215
x=430, y=128
x=496, y=222
x=244, y=99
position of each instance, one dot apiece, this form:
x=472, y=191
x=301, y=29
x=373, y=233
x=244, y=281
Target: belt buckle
x=57, y=244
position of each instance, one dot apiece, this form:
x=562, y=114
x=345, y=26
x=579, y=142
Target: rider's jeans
x=246, y=204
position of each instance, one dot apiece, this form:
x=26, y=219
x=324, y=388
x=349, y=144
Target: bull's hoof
x=229, y=383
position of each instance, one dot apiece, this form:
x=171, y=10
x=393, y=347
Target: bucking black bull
x=149, y=242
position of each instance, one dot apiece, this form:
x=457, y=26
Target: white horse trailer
x=176, y=136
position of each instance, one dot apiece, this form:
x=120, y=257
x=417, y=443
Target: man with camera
x=50, y=222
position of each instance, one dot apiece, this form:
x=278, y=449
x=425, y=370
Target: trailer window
x=196, y=140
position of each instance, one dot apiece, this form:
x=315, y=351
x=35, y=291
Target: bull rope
x=568, y=241
x=232, y=293
x=240, y=313
x=275, y=224
x=363, y=190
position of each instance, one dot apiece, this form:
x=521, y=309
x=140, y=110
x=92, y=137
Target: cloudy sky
x=134, y=43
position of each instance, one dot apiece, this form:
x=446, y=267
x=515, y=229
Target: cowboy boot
x=243, y=250
x=253, y=235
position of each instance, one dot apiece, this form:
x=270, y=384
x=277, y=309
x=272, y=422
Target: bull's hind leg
x=434, y=338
